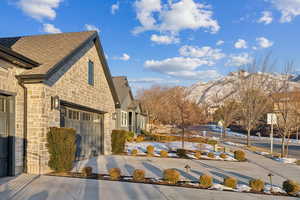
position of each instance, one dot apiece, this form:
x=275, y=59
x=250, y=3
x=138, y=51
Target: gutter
x=21, y=83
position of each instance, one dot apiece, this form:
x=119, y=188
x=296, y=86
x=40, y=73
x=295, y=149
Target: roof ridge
x=46, y=34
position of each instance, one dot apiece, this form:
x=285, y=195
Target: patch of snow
x=262, y=153
x=127, y=178
x=234, y=144
x=191, y=156
x=275, y=189
x=286, y=160
x=242, y=188
x=173, y=155
x=220, y=187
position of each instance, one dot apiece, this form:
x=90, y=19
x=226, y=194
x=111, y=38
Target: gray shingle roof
x=47, y=50
x=122, y=87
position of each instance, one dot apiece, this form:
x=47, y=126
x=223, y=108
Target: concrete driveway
x=59, y=188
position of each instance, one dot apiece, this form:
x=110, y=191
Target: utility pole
x=271, y=120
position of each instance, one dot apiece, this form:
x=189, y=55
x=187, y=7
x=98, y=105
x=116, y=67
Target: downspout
x=21, y=83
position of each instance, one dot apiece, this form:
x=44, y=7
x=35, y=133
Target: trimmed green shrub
x=239, y=155
x=205, y=181
x=198, y=154
x=139, y=138
x=291, y=187
x=182, y=153
x=230, y=182
x=114, y=173
x=257, y=185
x=212, y=142
x=134, y=152
x=145, y=133
x=223, y=155
x=164, y=154
x=130, y=136
x=118, y=140
x=172, y=176
x=61, y=147
x=87, y=171
x=138, y=175
x=150, y=150
x=211, y=155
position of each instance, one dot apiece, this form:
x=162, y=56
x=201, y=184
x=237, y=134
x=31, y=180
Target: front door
x=3, y=136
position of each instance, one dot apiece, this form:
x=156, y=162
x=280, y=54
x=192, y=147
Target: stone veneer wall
x=8, y=83
x=70, y=84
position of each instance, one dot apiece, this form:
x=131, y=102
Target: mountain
x=214, y=92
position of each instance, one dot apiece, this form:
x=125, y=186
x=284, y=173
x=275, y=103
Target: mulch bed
x=152, y=181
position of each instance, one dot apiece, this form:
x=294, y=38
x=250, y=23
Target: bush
x=198, y=154
x=139, y=138
x=205, y=181
x=138, y=175
x=87, y=171
x=291, y=187
x=211, y=155
x=223, y=155
x=212, y=142
x=145, y=133
x=239, y=155
x=150, y=150
x=171, y=175
x=134, y=152
x=257, y=185
x=118, y=140
x=130, y=136
x=164, y=154
x=115, y=174
x=230, y=182
x=61, y=147
x=182, y=153
x=298, y=162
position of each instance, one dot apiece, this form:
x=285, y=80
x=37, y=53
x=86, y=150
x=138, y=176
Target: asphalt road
x=294, y=149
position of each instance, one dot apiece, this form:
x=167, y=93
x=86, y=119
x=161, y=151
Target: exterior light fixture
x=114, y=116
x=270, y=176
x=55, y=103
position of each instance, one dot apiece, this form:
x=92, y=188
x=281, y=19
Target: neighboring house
x=129, y=114
x=57, y=80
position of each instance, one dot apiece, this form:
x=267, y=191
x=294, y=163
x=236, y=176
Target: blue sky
x=168, y=41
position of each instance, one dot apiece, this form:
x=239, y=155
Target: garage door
x=89, y=131
x=3, y=136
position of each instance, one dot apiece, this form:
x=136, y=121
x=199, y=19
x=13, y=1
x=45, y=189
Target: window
x=123, y=118
x=74, y=115
x=91, y=73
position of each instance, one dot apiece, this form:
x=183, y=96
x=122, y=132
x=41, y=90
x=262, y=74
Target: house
x=55, y=80
x=129, y=114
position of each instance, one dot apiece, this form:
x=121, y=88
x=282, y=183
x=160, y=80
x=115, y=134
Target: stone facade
x=70, y=83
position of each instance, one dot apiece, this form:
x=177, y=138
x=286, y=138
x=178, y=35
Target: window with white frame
x=123, y=118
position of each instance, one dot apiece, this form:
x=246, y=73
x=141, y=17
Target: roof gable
x=122, y=88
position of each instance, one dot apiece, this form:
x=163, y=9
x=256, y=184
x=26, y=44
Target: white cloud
x=239, y=59
x=197, y=75
x=205, y=52
x=124, y=57
x=174, y=16
x=220, y=42
x=264, y=42
x=115, y=8
x=266, y=17
x=40, y=9
x=50, y=28
x=289, y=9
x=241, y=44
x=164, y=39
x=152, y=80
x=91, y=27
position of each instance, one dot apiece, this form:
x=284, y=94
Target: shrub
x=257, y=185
x=134, y=152
x=138, y=175
x=298, y=162
x=198, y=154
x=61, y=147
x=223, y=155
x=118, y=140
x=130, y=136
x=211, y=155
x=150, y=150
x=87, y=171
x=239, y=155
x=115, y=173
x=171, y=175
x=139, y=138
x=145, y=133
x=205, y=181
x=164, y=154
x=212, y=142
x=182, y=153
x=230, y=182
x=291, y=187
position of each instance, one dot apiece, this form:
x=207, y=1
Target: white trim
x=124, y=118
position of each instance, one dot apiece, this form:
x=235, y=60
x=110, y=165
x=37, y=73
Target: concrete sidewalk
x=59, y=188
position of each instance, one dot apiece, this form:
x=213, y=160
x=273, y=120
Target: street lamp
x=270, y=176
